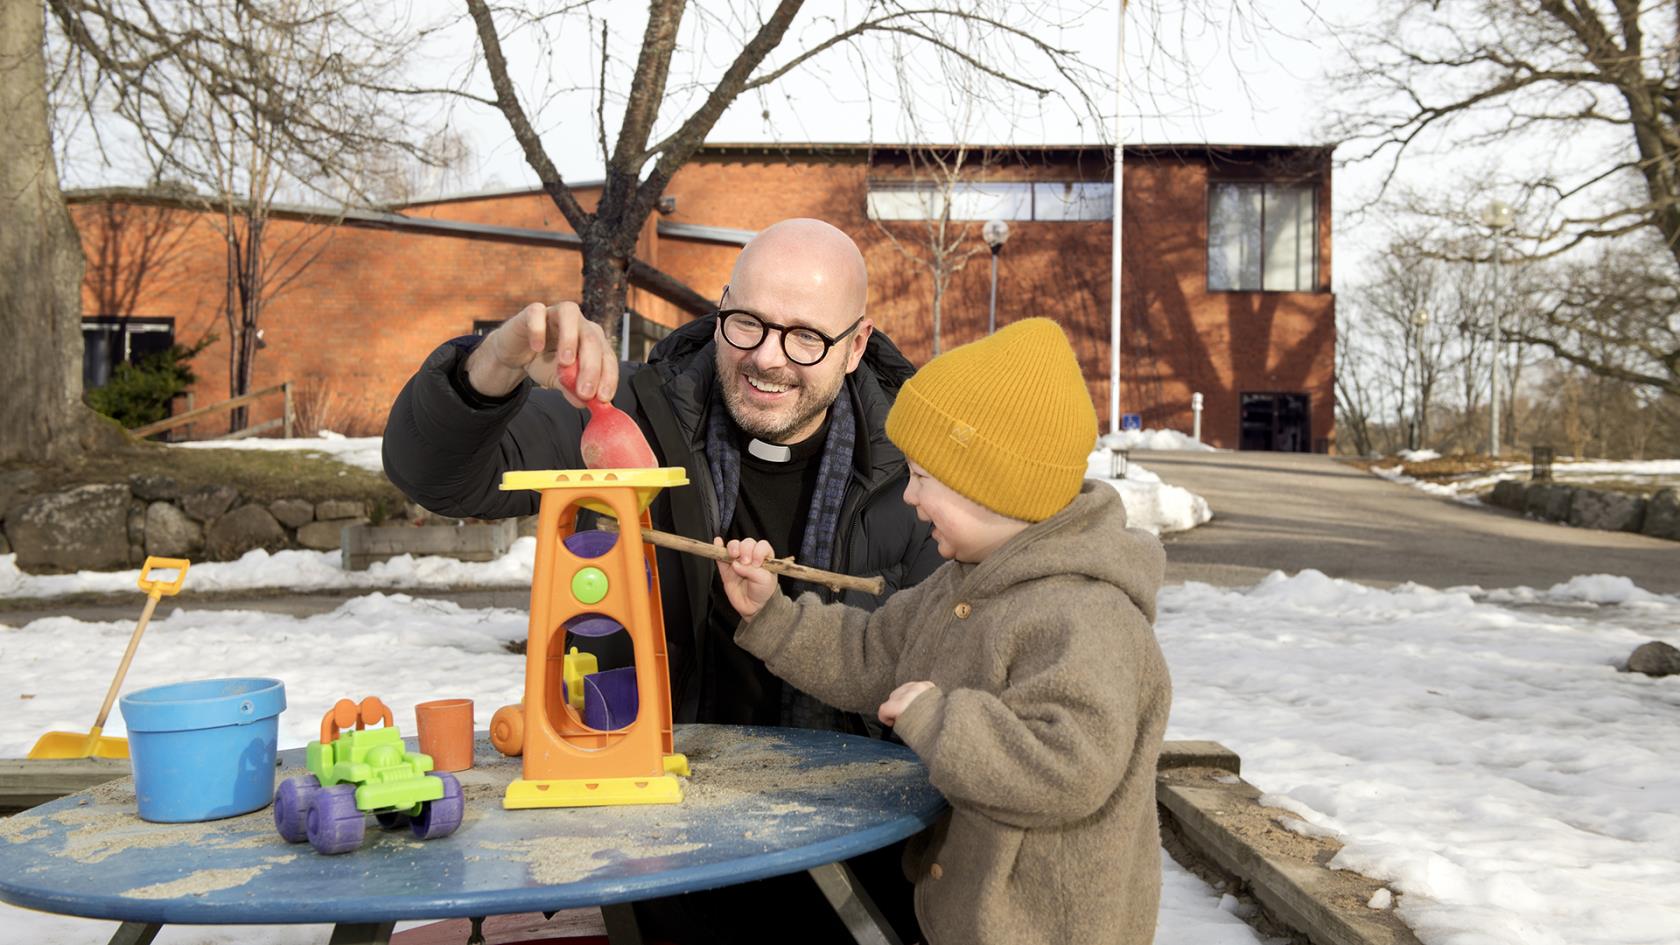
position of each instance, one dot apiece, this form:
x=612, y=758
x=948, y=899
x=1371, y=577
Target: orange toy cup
x=446, y=733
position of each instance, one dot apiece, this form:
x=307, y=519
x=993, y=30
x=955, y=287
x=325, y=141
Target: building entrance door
x=1278, y=422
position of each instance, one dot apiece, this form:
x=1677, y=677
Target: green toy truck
x=357, y=771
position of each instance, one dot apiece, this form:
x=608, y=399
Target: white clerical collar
x=769, y=452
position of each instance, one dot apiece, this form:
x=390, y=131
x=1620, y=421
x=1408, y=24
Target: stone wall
x=112, y=526
x=1657, y=515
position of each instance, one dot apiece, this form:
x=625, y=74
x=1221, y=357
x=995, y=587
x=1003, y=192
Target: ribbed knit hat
x=1006, y=421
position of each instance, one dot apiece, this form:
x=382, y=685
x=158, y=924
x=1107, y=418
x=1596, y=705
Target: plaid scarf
x=816, y=549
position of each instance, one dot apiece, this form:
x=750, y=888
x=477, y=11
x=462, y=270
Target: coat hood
x=1090, y=538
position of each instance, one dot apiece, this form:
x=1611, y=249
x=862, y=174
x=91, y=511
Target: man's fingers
x=564, y=319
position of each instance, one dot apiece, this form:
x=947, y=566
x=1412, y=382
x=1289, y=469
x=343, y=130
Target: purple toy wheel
x=292, y=801
x=335, y=823
x=439, y=818
x=392, y=819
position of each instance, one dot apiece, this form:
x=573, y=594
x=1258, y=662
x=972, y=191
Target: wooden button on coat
x=962, y=610
x=936, y=870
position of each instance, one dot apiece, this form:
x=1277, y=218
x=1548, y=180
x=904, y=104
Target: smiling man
x=775, y=404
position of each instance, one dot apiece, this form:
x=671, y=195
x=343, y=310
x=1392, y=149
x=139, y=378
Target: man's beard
x=809, y=403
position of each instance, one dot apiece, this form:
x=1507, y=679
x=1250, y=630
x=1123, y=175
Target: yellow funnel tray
x=646, y=482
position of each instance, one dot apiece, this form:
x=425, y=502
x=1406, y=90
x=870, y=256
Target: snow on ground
x=1568, y=472
x=1155, y=440
x=1485, y=759
x=362, y=451
x=1150, y=503
x=295, y=569
x=1477, y=751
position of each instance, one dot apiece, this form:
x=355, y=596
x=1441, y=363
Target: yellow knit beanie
x=1006, y=421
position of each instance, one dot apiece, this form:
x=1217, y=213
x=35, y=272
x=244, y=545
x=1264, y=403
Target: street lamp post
x=995, y=233
x=1497, y=217
x=1420, y=320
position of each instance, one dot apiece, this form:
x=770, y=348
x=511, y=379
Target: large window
x=992, y=200
x=1262, y=237
x=108, y=342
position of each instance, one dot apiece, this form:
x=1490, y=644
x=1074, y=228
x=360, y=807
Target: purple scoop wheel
x=335, y=823
x=439, y=818
x=292, y=801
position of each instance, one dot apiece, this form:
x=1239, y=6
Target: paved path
x=1292, y=511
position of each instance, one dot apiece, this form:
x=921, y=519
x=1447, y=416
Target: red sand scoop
x=611, y=439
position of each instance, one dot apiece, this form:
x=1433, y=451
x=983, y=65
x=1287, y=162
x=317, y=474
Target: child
x=1024, y=671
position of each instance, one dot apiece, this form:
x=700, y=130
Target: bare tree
x=40, y=261
x=253, y=102
x=666, y=119
x=939, y=237
x=1443, y=75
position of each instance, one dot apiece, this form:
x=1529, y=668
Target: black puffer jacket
x=448, y=454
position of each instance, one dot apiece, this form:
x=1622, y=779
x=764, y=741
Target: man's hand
x=900, y=700
x=536, y=343
x=745, y=581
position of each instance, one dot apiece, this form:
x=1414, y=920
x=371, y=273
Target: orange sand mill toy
x=626, y=756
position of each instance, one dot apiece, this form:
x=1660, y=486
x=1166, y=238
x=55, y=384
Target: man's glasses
x=803, y=346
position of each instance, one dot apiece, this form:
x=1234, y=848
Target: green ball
x=589, y=585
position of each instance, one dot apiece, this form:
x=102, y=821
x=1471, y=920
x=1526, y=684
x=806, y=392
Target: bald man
x=775, y=404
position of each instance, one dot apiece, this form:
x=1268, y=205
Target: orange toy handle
x=345, y=713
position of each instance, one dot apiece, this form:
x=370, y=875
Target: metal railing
x=284, y=421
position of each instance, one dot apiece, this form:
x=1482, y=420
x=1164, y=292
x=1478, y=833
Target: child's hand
x=745, y=581
x=900, y=700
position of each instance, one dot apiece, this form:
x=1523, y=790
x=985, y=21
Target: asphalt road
x=1292, y=511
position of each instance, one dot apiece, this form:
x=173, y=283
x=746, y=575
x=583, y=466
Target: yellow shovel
x=92, y=744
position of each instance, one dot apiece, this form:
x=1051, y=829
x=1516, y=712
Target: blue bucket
x=203, y=750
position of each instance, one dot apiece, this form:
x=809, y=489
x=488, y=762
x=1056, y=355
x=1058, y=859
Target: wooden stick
x=799, y=572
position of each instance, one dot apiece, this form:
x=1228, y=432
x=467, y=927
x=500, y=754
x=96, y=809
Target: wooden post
x=287, y=415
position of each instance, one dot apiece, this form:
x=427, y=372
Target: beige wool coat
x=1043, y=731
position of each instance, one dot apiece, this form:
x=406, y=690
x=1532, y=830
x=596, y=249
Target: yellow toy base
x=676, y=764
x=597, y=792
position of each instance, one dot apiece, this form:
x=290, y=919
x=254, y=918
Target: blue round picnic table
x=761, y=802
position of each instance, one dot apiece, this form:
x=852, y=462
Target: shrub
x=141, y=393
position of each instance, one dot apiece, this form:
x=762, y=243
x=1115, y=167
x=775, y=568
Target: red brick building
x=1226, y=279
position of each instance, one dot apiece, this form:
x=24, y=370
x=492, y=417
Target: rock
x=1610, y=511
x=1654, y=659
x=326, y=536
x=330, y=509
x=85, y=528
x=150, y=487
x=1549, y=501
x=1662, y=515
x=239, y=531
x=207, y=503
x=1508, y=494
x=170, y=533
x=15, y=485
x=292, y=513
x=136, y=531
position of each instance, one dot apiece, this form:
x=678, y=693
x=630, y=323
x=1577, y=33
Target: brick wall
x=357, y=321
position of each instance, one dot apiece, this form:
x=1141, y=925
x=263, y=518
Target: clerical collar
x=805, y=449
x=769, y=452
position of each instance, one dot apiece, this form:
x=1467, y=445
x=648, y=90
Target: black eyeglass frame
x=765, y=326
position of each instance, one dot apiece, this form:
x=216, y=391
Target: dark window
x=481, y=327
x=1278, y=422
x=641, y=335
x=108, y=342
x=1262, y=237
